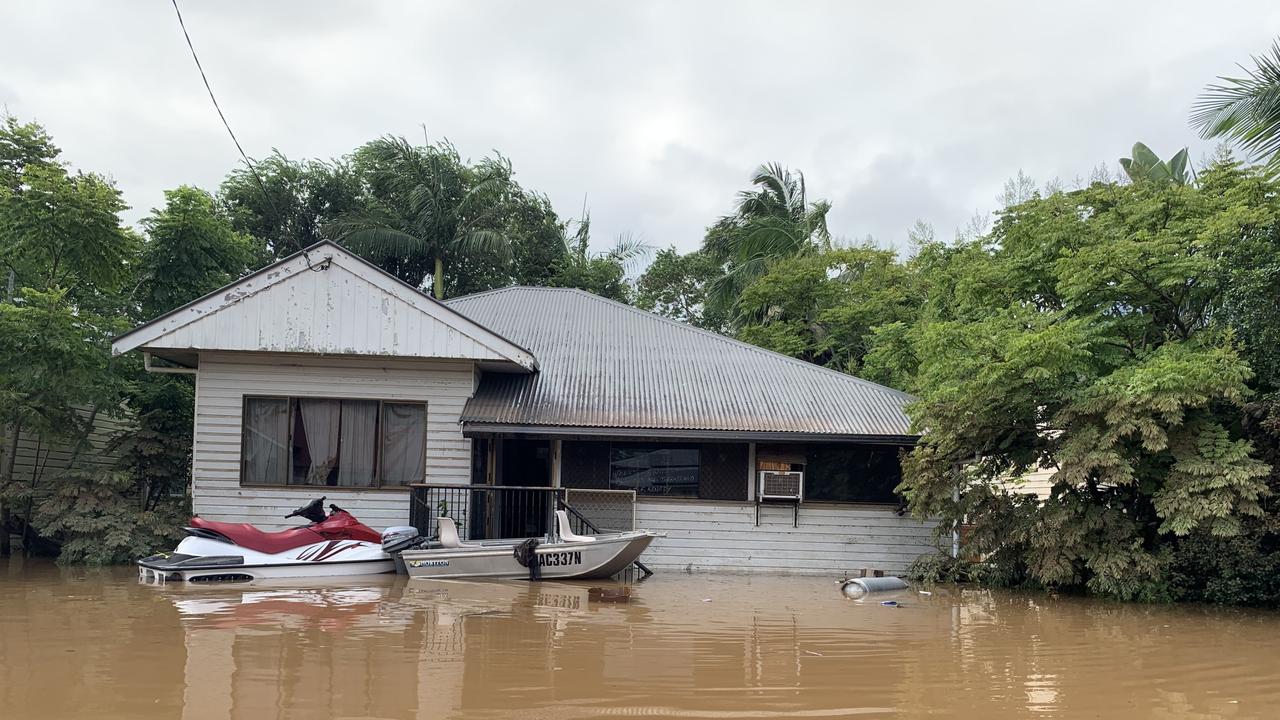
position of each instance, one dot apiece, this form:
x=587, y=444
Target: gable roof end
x=325, y=300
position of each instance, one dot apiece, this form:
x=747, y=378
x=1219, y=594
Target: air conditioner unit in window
x=776, y=485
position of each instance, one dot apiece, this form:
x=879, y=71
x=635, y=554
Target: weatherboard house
x=323, y=375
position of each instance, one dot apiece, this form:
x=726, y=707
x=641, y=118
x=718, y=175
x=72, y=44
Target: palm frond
x=1245, y=110
x=628, y=249
x=368, y=234
x=491, y=243
x=772, y=237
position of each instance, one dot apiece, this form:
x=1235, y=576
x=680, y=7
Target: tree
x=1245, y=110
x=676, y=286
x=824, y=307
x=1091, y=334
x=21, y=144
x=771, y=221
x=191, y=249
x=599, y=273
x=60, y=235
x=284, y=203
x=538, y=248
x=427, y=209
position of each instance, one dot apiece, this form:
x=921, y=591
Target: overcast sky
x=657, y=113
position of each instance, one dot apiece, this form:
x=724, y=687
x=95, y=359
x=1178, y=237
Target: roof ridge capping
x=710, y=333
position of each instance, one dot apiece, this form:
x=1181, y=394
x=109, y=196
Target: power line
x=217, y=107
x=248, y=163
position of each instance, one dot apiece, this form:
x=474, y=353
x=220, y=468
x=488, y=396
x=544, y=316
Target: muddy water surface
x=96, y=644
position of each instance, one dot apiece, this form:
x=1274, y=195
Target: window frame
x=377, y=485
x=893, y=500
x=696, y=447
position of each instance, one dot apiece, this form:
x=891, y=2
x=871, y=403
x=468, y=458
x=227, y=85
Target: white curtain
x=359, y=443
x=320, y=426
x=266, y=441
x=404, y=443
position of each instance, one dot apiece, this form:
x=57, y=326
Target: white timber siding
x=830, y=539
x=1037, y=482
x=223, y=381
x=38, y=462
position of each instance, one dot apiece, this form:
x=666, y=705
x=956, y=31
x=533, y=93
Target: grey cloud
x=657, y=112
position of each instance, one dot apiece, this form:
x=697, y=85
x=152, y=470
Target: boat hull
x=203, y=560
x=604, y=557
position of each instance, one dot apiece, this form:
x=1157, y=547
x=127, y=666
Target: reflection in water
x=95, y=643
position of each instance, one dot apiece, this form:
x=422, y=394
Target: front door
x=515, y=512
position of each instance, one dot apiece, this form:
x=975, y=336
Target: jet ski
x=332, y=545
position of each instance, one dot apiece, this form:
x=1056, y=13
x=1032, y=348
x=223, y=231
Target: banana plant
x=1146, y=166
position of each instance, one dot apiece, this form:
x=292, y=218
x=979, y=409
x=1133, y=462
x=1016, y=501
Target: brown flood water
x=96, y=644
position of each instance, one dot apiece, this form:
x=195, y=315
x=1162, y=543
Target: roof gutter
x=477, y=429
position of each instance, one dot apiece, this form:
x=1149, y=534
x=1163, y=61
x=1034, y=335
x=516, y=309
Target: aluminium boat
x=570, y=556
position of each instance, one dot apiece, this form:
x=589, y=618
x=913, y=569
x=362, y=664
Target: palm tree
x=601, y=273
x=773, y=220
x=427, y=208
x=1245, y=110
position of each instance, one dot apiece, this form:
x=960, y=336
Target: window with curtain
x=333, y=442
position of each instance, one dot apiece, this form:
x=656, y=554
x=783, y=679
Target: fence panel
x=608, y=510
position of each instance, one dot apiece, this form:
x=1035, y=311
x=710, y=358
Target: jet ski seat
x=249, y=537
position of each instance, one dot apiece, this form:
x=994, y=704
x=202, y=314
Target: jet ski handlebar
x=313, y=511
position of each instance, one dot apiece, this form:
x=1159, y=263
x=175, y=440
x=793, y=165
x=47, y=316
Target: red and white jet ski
x=336, y=545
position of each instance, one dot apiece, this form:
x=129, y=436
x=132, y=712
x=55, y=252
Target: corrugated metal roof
x=603, y=364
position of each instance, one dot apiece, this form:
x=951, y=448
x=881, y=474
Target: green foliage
x=825, y=307
x=603, y=274
x=427, y=208
x=1145, y=166
x=676, y=286
x=285, y=203
x=1245, y=110
x=942, y=568
x=22, y=144
x=97, y=518
x=1092, y=333
x=773, y=220
x=191, y=250
x=75, y=268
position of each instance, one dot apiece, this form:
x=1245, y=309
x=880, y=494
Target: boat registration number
x=573, y=557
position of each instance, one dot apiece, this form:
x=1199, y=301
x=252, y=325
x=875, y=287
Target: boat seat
x=566, y=532
x=448, y=531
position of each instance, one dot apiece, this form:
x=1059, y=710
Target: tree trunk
x=438, y=278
